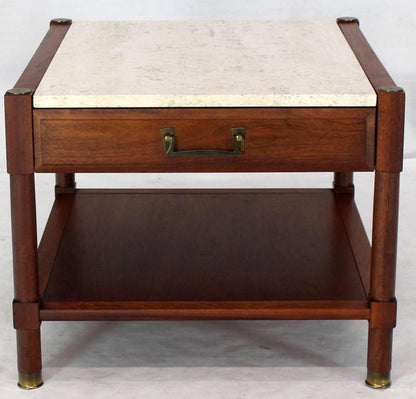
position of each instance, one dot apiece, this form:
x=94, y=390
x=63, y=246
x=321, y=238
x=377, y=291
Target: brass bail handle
x=168, y=141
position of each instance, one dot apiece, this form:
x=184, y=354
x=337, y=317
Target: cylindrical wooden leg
x=25, y=268
x=343, y=182
x=379, y=357
x=65, y=183
x=382, y=288
x=29, y=360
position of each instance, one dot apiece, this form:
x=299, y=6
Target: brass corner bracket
x=61, y=21
x=348, y=20
x=391, y=89
x=18, y=91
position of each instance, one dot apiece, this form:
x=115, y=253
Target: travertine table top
x=204, y=64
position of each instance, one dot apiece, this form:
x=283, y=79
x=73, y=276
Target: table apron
x=278, y=140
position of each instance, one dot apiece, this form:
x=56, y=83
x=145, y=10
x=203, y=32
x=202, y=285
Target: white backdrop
x=217, y=359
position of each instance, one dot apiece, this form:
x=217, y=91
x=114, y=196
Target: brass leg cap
x=378, y=380
x=30, y=381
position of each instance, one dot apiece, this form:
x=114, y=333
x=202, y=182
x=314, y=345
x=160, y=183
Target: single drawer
x=276, y=139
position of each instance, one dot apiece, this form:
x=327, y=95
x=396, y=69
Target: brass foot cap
x=378, y=380
x=30, y=381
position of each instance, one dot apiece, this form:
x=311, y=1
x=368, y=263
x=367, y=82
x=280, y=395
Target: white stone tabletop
x=204, y=64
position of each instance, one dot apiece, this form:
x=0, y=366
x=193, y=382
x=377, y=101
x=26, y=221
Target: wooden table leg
x=65, y=183
x=343, y=182
x=26, y=303
x=382, y=288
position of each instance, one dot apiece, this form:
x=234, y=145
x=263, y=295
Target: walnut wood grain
x=205, y=254
x=389, y=161
x=24, y=238
x=240, y=310
x=385, y=227
x=380, y=342
x=64, y=183
x=29, y=354
x=25, y=267
x=53, y=232
x=26, y=315
x=111, y=141
x=370, y=63
x=343, y=182
x=383, y=314
x=383, y=268
x=19, y=133
x=33, y=73
x=179, y=254
x=390, y=131
x=18, y=108
x=390, y=106
x=357, y=237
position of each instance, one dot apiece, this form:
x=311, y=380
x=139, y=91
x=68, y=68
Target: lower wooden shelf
x=204, y=254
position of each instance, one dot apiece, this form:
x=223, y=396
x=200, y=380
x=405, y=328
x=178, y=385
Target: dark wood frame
x=20, y=165
x=389, y=163
x=33, y=266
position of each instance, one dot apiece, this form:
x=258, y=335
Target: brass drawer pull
x=168, y=139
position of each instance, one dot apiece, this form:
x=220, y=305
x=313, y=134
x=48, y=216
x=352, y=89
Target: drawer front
x=275, y=140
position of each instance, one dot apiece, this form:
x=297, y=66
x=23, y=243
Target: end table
x=204, y=96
